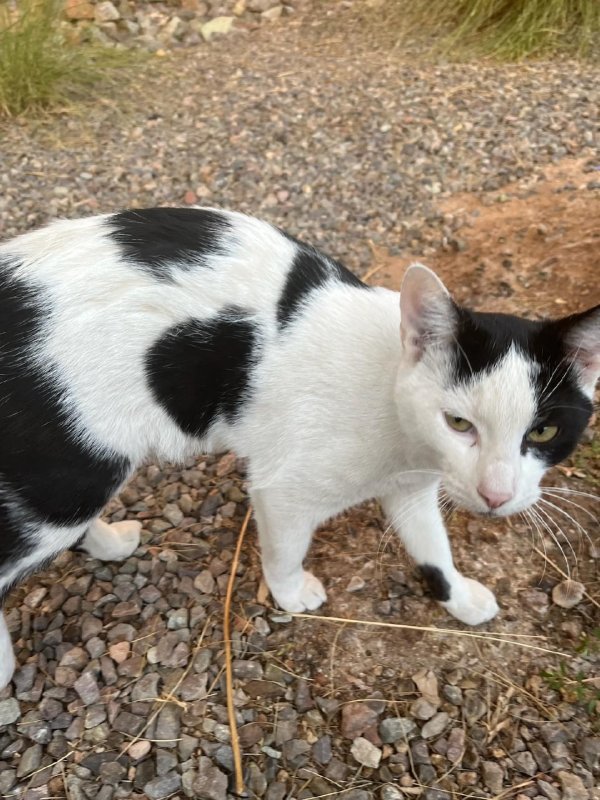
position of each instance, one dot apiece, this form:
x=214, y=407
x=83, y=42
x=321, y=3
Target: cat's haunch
x=167, y=333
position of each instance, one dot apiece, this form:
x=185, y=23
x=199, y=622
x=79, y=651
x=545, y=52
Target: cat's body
x=162, y=334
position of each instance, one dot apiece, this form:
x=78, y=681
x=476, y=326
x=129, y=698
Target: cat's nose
x=493, y=499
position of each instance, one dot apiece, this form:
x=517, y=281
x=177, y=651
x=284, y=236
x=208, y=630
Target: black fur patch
x=437, y=584
x=310, y=269
x=45, y=474
x=200, y=369
x=158, y=239
x=483, y=339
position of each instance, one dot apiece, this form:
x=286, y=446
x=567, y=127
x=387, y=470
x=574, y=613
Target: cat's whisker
x=546, y=518
x=570, y=517
x=534, y=527
x=566, y=490
x=544, y=526
x=572, y=503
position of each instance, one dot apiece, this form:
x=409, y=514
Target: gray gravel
x=340, y=146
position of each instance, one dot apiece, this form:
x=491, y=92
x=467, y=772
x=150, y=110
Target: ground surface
x=489, y=174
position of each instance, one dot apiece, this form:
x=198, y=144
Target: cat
x=164, y=333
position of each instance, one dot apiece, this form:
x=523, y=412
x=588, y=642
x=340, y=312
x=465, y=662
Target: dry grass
x=42, y=66
x=504, y=29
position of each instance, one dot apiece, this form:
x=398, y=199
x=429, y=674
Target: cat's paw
x=113, y=542
x=307, y=596
x=7, y=656
x=471, y=602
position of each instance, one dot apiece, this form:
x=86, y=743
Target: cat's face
x=500, y=399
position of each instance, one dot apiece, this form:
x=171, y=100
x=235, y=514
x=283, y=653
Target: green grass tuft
x=503, y=29
x=41, y=65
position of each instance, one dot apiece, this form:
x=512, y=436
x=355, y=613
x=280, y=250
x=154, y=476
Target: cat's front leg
x=7, y=656
x=416, y=518
x=284, y=533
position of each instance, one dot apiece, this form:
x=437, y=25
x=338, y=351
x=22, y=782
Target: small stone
x=356, y=719
x=168, y=725
x=295, y=752
x=9, y=711
x=391, y=792
x=568, y=594
x=119, y=652
x=355, y=584
x=435, y=725
x=394, y=729
x=548, y=790
x=271, y=14
x=204, y=582
x=87, y=688
x=78, y=9
x=211, y=783
x=473, y=706
x=106, y=12
x=139, y=750
x=218, y=25
x=321, y=750
x=30, y=760
x=422, y=709
x=525, y=762
x=572, y=786
x=164, y=786
x=171, y=512
x=178, y=618
x=366, y=753
x=452, y=694
x=456, y=745
x=589, y=749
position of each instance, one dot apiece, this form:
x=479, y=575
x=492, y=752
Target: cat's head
x=499, y=398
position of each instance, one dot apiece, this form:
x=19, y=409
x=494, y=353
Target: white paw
x=7, y=656
x=113, y=542
x=307, y=596
x=471, y=602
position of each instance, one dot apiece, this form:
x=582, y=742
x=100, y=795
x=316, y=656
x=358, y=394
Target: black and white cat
x=163, y=333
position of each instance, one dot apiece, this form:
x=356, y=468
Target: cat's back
x=199, y=258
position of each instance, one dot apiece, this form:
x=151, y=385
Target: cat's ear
x=581, y=333
x=427, y=312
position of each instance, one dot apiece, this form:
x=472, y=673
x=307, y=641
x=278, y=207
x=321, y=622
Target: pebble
x=435, y=725
x=572, y=786
x=525, y=762
x=366, y=753
x=589, y=748
x=390, y=792
x=393, y=729
x=356, y=719
x=422, y=709
x=10, y=711
x=355, y=584
x=164, y=786
x=210, y=783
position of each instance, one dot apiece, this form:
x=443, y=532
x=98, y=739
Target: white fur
x=7, y=656
x=340, y=410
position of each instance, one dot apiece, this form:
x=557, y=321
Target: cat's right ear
x=427, y=312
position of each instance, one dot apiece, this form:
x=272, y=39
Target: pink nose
x=493, y=499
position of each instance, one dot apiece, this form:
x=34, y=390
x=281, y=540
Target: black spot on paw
x=436, y=582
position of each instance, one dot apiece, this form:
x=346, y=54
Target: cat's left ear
x=427, y=312
x=581, y=333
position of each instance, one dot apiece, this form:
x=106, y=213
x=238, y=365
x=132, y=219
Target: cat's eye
x=542, y=434
x=459, y=424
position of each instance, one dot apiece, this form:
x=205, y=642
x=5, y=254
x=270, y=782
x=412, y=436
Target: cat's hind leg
x=111, y=542
x=284, y=534
x=417, y=519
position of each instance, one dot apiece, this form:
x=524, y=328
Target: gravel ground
x=120, y=693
